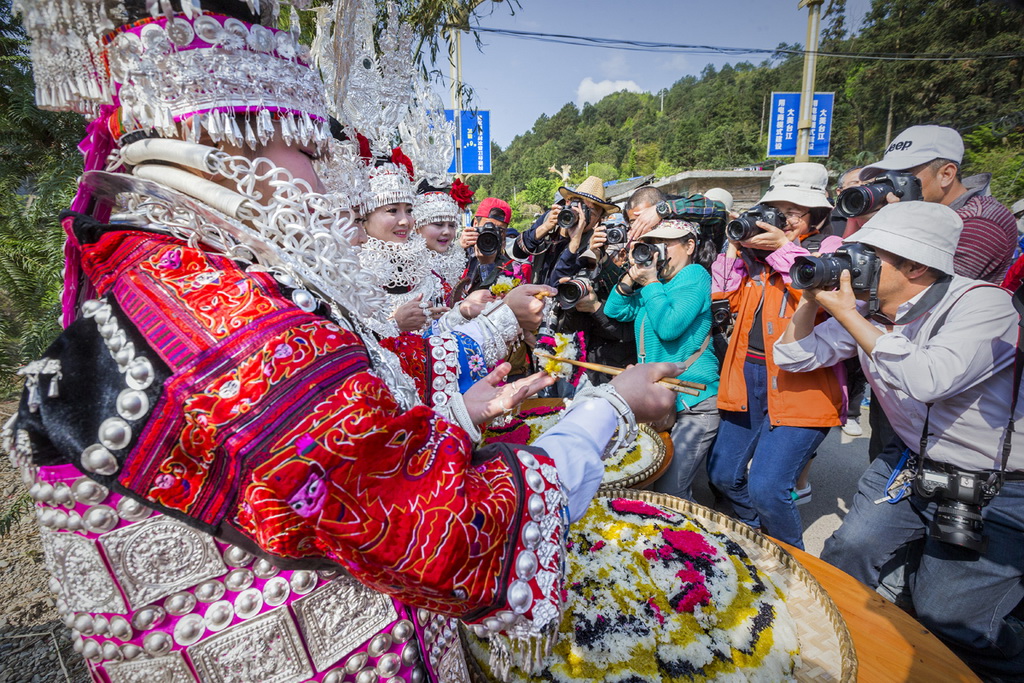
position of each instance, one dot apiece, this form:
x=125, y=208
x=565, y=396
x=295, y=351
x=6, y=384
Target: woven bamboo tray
x=826, y=647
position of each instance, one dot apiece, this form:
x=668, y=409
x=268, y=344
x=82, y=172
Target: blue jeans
x=761, y=497
x=692, y=436
x=962, y=596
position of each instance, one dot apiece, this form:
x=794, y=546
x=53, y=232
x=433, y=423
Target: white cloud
x=615, y=66
x=593, y=91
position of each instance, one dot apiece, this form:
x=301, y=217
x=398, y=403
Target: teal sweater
x=673, y=318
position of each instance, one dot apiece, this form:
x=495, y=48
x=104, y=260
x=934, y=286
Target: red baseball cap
x=492, y=203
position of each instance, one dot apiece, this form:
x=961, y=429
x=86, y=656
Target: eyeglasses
x=793, y=216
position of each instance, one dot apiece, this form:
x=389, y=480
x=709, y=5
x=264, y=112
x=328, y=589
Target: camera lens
x=742, y=228
x=959, y=523
x=615, y=235
x=566, y=219
x=488, y=242
x=569, y=293
x=804, y=275
x=643, y=254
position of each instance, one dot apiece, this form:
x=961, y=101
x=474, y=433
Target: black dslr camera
x=743, y=228
x=961, y=496
x=571, y=291
x=490, y=239
x=567, y=218
x=822, y=272
x=615, y=233
x=643, y=254
x=857, y=201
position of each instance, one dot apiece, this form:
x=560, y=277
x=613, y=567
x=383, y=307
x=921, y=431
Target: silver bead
x=69, y=619
x=111, y=652
x=125, y=355
x=47, y=517
x=90, y=307
x=531, y=535
x=180, y=603
x=43, y=492
x=480, y=630
x=100, y=519
x=62, y=496
x=157, y=643
x=99, y=460
x=115, y=433
x=333, y=676
x=536, y=507
x=132, y=510
x=60, y=519
x=507, y=618
x=389, y=665
x=535, y=481
x=403, y=631
x=520, y=597
x=276, y=591
x=219, y=615
x=87, y=491
x=379, y=644
x=209, y=591
x=411, y=654
x=120, y=628
x=418, y=675
x=130, y=651
x=188, y=630
x=116, y=341
x=304, y=300
x=91, y=650
x=285, y=279
x=77, y=642
x=423, y=615
x=356, y=662
x=132, y=404
x=238, y=580
x=493, y=624
x=103, y=313
x=264, y=569
x=236, y=557
x=108, y=328
x=148, y=617
x=527, y=459
x=100, y=624
x=83, y=624
x=527, y=565
x=327, y=574
x=139, y=374
x=303, y=581
x=74, y=521
x=367, y=675
x=249, y=603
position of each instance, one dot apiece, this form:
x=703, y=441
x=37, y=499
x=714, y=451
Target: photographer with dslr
x=771, y=419
x=666, y=294
x=484, y=240
x=939, y=356
x=923, y=163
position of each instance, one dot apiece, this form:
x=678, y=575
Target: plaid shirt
x=698, y=208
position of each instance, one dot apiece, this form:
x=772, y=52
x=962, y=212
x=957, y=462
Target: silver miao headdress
x=428, y=138
x=179, y=74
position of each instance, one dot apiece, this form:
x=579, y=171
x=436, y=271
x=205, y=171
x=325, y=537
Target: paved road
x=840, y=462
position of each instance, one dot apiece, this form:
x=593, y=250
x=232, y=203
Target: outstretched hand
x=491, y=397
x=638, y=387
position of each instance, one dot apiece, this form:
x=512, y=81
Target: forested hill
x=715, y=121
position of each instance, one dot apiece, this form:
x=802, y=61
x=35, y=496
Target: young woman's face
x=798, y=219
x=390, y=223
x=439, y=236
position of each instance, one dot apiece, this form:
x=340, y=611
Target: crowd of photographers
x=784, y=314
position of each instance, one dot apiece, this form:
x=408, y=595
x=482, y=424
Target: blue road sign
x=474, y=131
x=782, y=124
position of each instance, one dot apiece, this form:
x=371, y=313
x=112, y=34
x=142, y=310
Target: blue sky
x=518, y=79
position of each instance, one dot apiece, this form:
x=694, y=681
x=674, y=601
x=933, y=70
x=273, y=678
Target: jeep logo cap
x=915, y=146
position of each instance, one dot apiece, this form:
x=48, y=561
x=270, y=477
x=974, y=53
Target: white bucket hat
x=924, y=232
x=717, y=194
x=915, y=146
x=802, y=183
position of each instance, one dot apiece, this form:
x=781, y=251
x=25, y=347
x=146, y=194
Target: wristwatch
x=663, y=209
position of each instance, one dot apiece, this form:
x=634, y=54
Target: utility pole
x=805, y=124
x=460, y=23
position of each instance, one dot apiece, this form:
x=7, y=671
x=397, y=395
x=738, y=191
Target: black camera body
x=857, y=201
x=616, y=234
x=643, y=254
x=571, y=291
x=745, y=226
x=567, y=218
x=822, y=272
x=961, y=496
x=489, y=239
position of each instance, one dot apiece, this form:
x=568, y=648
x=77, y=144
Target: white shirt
x=965, y=369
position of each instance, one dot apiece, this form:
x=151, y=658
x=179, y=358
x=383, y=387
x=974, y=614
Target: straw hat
x=591, y=189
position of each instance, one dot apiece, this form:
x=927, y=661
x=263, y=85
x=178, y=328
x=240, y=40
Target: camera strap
x=996, y=477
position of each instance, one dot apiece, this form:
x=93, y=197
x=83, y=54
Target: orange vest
x=795, y=399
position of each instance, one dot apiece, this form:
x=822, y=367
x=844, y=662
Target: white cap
x=802, y=183
x=1018, y=207
x=923, y=232
x=915, y=146
x=717, y=194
